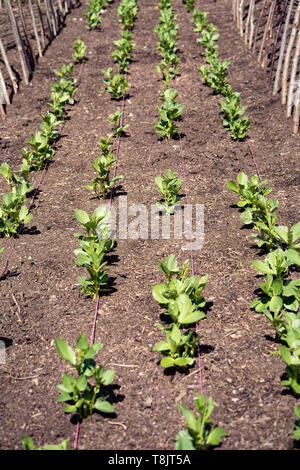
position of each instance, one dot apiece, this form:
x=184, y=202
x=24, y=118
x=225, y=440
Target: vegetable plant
x=116, y=122
x=127, y=11
x=189, y=4
x=178, y=349
x=215, y=75
x=200, y=433
x=234, y=120
x=278, y=294
x=117, y=84
x=199, y=18
x=181, y=298
x=94, y=246
x=82, y=397
x=13, y=211
x=169, y=112
x=79, y=51
x=29, y=445
x=297, y=423
x=103, y=183
x=168, y=185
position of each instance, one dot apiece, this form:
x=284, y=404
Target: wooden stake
x=252, y=5
x=3, y=90
x=266, y=31
x=19, y=42
x=43, y=34
x=258, y=25
x=241, y=8
x=282, y=48
x=234, y=9
x=288, y=55
x=48, y=20
x=54, y=23
x=8, y=68
x=25, y=31
x=297, y=111
x=35, y=29
x=276, y=40
x=293, y=77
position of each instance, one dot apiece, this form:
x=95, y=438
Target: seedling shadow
x=109, y=287
x=7, y=341
x=29, y=231
x=9, y=274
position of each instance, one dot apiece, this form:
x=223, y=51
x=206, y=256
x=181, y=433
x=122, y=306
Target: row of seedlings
x=279, y=296
x=181, y=295
x=80, y=395
x=214, y=75
x=14, y=213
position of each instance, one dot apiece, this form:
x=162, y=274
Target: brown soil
x=40, y=295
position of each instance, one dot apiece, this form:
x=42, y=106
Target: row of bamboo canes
x=267, y=25
x=55, y=14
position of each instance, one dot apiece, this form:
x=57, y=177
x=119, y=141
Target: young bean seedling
x=79, y=51
x=82, y=397
x=29, y=445
x=200, y=433
x=168, y=186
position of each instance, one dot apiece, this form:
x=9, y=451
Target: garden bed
x=40, y=295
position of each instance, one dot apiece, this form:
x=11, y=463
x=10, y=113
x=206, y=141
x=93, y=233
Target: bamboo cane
x=48, y=20
x=241, y=9
x=43, y=34
x=19, y=42
x=25, y=31
x=3, y=89
x=8, y=68
x=234, y=9
x=35, y=29
x=296, y=116
x=266, y=31
x=288, y=55
x=293, y=77
x=276, y=40
x=251, y=24
x=248, y=22
x=258, y=25
x=54, y=23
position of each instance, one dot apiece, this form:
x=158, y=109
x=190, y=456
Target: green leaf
x=161, y=346
x=70, y=409
x=189, y=417
x=82, y=342
x=293, y=257
x=82, y=216
x=231, y=185
x=68, y=382
x=285, y=354
x=108, y=377
x=282, y=231
x=184, y=441
x=157, y=293
x=276, y=304
x=215, y=436
x=65, y=351
x=262, y=267
x=81, y=383
x=27, y=443
x=167, y=362
x=103, y=406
